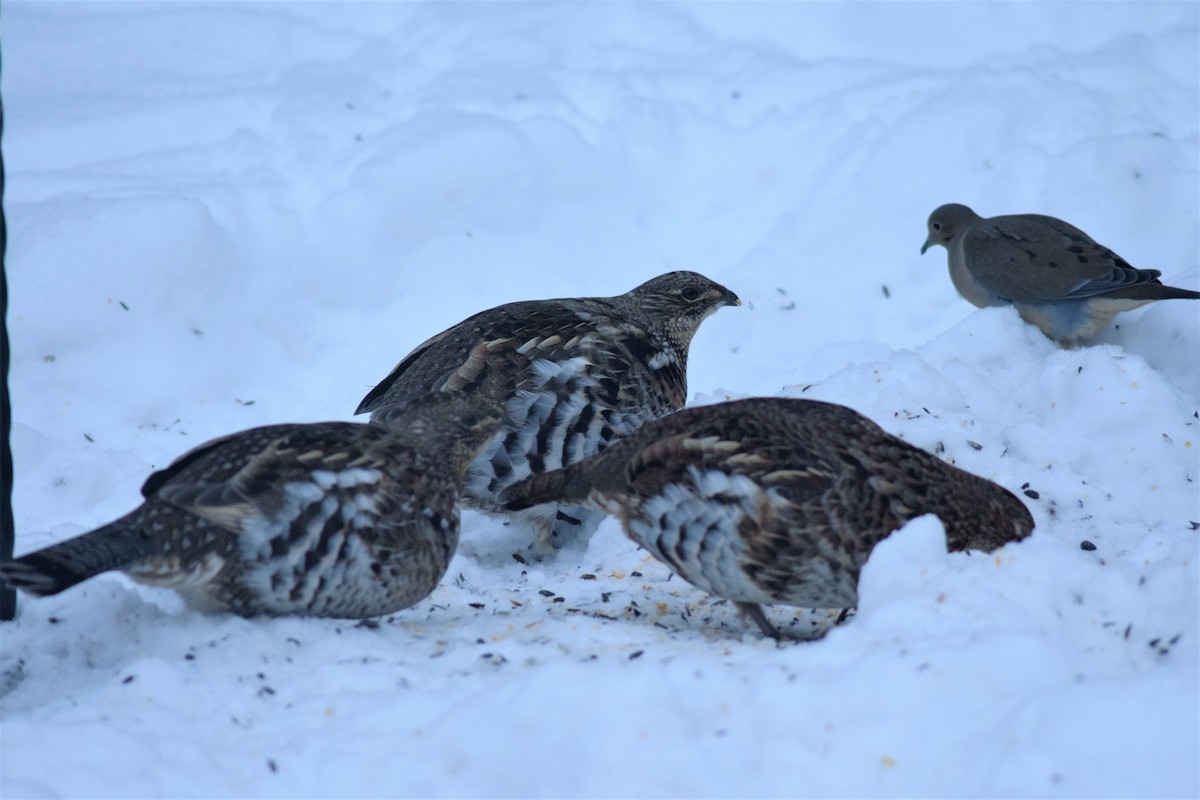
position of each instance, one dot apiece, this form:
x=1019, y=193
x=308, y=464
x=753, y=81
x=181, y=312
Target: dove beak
x=926, y=246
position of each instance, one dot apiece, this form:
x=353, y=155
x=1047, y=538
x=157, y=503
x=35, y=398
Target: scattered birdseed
x=1086, y=545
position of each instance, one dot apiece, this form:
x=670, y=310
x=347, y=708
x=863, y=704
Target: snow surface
x=226, y=215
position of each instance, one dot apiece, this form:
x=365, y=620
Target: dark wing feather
x=1032, y=258
x=239, y=477
x=375, y=397
x=467, y=354
x=211, y=458
x=664, y=450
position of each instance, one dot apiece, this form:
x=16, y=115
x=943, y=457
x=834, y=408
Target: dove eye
x=690, y=294
x=937, y=226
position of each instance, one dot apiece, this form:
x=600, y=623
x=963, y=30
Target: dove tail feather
x=61, y=566
x=1175, y=293
x=1147, y=292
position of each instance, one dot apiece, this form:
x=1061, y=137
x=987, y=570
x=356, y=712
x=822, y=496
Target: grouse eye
x=690, y=294
x=470, y=420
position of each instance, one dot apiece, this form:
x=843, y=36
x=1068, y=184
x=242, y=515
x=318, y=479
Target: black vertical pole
x=8, y=598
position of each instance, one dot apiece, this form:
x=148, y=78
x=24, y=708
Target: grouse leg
x=755, y=613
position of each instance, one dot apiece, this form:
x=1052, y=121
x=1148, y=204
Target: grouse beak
x=732, y=299
x=928, y=244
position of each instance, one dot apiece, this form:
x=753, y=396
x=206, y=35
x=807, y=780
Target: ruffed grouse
x=771, y=500
x=572, y=374
x=332, y=519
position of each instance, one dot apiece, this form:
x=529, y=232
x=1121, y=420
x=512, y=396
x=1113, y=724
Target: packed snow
x=227, y=215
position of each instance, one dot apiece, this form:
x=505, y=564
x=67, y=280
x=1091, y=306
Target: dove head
x=946, y=222
x=677, y=302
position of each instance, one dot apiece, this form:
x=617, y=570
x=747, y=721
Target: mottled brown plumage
x=573, y=375
x=332, y=519
x=770, y=500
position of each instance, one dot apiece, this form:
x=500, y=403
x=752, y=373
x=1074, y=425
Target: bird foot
x=754, y=612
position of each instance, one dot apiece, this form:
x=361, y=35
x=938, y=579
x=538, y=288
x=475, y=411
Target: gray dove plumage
x=773, y=500
x=573, y=375
x=333, y=519
x=1055, y=275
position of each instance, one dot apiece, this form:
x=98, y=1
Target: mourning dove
x=572, y=375
x=1055, y=275
x=329, y=519
x=773, y=500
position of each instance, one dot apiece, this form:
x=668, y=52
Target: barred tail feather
x=61, y=566
x=549, y=487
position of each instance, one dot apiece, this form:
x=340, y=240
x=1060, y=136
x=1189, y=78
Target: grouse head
x=677, y=302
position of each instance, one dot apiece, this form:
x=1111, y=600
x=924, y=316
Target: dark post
x=8, y=598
